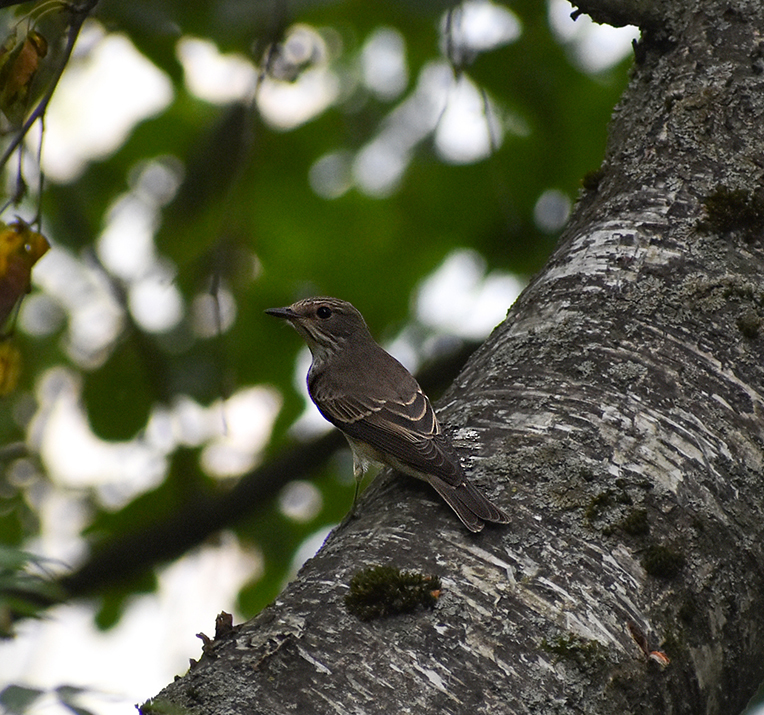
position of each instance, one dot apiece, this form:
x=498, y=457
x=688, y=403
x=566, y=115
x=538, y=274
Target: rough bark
x=616, y=414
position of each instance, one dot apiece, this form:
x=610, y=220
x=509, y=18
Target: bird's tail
x=468, y=502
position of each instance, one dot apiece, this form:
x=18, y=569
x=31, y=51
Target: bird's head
x=325, y=323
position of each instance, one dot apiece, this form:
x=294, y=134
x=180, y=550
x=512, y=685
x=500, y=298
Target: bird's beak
x=286, y=313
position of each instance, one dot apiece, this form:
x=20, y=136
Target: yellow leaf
x=18, y=65
x=20, y=249
x=10, y=367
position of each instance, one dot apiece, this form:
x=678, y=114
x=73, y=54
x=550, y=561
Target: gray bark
x=616, y=414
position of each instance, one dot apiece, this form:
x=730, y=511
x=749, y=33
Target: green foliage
x=244, y=218
x=731, y=210
x=380, y=591
x=585, y=653
x=17, y=699
x=635, y=523
x=118, y=396
x=158, y=706
x=25, y=590
x=662, y=562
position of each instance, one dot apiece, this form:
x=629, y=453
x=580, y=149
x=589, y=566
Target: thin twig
x=14, y=450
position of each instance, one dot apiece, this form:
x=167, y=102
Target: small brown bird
x=379, y=407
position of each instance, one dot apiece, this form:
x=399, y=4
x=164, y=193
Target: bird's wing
x=410, y=433
x=407, y=430
x=404, y=429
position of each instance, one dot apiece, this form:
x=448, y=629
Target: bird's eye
x=323, y=312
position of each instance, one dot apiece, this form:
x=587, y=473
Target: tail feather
x=469, y=504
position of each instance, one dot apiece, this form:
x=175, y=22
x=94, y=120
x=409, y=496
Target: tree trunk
x=616, y=415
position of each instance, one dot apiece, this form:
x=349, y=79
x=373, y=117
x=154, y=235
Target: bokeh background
x=202, y=162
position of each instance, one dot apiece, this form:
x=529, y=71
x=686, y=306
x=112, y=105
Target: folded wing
x=409, y=432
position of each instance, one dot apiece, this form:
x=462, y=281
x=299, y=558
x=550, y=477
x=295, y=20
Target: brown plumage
x=379, y=407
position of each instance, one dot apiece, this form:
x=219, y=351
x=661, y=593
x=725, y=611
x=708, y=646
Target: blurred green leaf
x=67, y=696
x=117, y=395
x=25, y=588
x=114, y=601
x=17, y=699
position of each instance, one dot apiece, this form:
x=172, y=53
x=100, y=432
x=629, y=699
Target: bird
x=379, y=406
